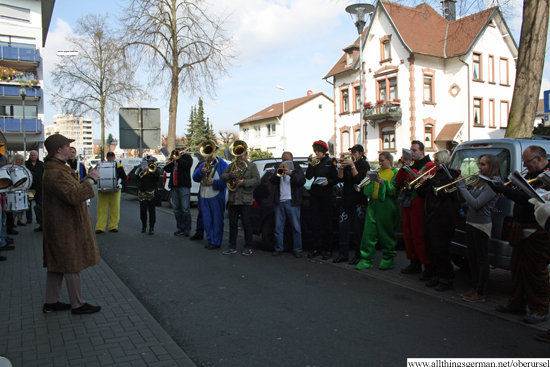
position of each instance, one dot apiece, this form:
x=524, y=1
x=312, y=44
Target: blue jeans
x=181, y=197
x=37, y=201
x=283, y=211
x=3, y=233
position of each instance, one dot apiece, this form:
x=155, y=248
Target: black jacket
x=327, y=169
x=37, y=171
x=297, y=181
x=443, y=205
x=148, y=181
x=350, y=196
x=185, y=162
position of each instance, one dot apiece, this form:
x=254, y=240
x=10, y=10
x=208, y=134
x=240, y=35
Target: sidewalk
x=123, y=333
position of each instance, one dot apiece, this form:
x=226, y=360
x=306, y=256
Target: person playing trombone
x=354, y=204
x=481, y=200
x=440, y=216
x=148, y=193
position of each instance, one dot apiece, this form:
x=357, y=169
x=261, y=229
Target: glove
x=498, y=187
x=544, y=177
x=542, y=211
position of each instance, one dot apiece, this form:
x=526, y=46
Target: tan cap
x=53, y=142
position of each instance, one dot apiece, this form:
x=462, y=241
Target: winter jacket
x=185, y=162
x=244, y=195
x=297, y=181
x=326, y=169
x=350, y=196
x=37, y=171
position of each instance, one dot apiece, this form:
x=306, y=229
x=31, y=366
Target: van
x=128, y=163
x=464, y=158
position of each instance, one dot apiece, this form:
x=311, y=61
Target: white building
x=23, y=28
x=78, y=128
x=306, y=119
x=426, y=77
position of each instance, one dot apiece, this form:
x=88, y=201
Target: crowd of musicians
x=426, y=194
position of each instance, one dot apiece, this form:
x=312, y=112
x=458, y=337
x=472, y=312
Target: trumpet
x=448, y=189
x=152, y=168
x=313, y=160
x=346, y=156
x=280, y=172
x=414, y=184
x=364, y=182
x=521, y=173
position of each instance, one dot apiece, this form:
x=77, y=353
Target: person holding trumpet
x=148, y=193
x=530, y=245
x=288, y=201
x=440, y=215
x=354, y=204
x=481, y=200
x=322, y=198
x=382, y=217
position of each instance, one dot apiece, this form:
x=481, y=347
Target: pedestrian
x=79, y=167
x=108, y=203
x=440, y=216
x=148, y=193
x=36, y=166
x=69, y=241
x=5, y=241
x=354, y=203
x=243, y=177
x=289, y=181
x=412, y=211
x=530, y=246
x=322, y=199
x=212, y=200
x=481, y=201
x=180, y=188
x=14, y=219
x=199, y=231
x=382, y=218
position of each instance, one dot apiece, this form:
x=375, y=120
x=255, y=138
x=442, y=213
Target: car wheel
x=460, y=261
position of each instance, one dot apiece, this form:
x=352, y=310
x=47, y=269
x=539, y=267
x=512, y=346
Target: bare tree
x=183, y=43
x=228, y=137
x=99, y=79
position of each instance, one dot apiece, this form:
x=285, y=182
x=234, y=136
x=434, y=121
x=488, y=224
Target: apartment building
x=78, y=128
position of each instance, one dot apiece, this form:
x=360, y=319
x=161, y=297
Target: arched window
x=428, y=136
x=388, y=138
x=345, y=141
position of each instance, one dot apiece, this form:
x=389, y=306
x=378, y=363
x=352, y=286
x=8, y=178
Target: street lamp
x=283, y=117
x=23, y=94
x=358, y=13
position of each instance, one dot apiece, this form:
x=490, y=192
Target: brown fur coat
x=69, y=240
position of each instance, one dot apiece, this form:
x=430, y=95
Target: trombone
x=448, y=189
x=174, y=156
x=414, y=184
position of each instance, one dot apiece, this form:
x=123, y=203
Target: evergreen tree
x=199, y=128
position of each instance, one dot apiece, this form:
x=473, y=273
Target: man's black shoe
x=507, y=309
x=196, y=237
x=426, y=275
x=339, y=259
x=39, y=229
x=52, y=307
x=179, y=233
x=99, y=231
x=85, y=308
x=327, y=255
x=413, y=268
x=212, y=247
x=19, y=223
x=9, y=238
x=151, y=231
x=7, y=247
x=114, y=230
x=313, y=253
x=3, y=258
x=9, y=241
x=355, y=261
x=143, y=229
x=12, y=231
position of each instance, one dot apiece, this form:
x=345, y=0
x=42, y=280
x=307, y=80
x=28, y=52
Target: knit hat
x=53, y=142
x=179, y=145
x=320, y=145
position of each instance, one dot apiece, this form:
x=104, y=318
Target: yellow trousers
x=106, y=201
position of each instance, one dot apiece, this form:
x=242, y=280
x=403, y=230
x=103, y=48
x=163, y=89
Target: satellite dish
x=309, y=93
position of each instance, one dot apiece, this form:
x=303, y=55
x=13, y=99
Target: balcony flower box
x=380, y=102
x=396, y=101
x=367, y=104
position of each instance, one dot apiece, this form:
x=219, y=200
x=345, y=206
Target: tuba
x=152, y=168
x=207, y=149
x=237, y=149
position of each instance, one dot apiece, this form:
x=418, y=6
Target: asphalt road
x=264, y=311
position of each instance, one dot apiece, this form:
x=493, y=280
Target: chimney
x=449, y=9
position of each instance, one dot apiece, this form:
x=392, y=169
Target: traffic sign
x=139, y=128
x=547, y=101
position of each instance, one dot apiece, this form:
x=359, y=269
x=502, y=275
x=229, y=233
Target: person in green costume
x=383, y=216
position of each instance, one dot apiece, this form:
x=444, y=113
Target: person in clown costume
x=383, y=216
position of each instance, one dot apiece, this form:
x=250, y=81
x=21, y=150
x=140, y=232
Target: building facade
x=23, y=28
x=306, y=119
x=426, y=77
x=78, y=128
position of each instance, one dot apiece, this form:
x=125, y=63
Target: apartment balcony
x=10, y=54
x=12, y=91
x=10, y=125
x=383, y=111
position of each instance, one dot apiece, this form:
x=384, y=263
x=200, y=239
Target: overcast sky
x=291, y=43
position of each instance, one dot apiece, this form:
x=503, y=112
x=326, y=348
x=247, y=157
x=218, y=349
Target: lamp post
x=283, y=117
x=358, y=13
x=23, y=94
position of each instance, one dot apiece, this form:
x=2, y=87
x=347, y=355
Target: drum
x=5, y=179
x=107, y=181
x=19, y=175
x=16, y=201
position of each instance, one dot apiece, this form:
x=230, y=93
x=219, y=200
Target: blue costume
x=212, y=204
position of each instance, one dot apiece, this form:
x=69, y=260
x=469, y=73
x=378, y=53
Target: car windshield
x=466, y=160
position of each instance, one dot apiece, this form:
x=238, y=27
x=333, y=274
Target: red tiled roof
x=449, y=131
x=277, y=109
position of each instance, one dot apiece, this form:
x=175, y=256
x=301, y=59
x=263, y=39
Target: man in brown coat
x=69, y=241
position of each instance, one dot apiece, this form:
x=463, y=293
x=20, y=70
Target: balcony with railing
x=383, y=110
x=19, y=54
x=13, y=91
x=15, y=125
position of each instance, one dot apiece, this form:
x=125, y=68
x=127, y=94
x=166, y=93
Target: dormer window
x=385, y=49
x=350, y=58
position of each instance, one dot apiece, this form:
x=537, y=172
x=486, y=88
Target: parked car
x=132, y=183
x=267, y=163
x=509, y=153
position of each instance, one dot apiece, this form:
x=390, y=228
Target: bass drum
x=5, y=178
x=107, y=181
x=17, y=201
x=21, y=177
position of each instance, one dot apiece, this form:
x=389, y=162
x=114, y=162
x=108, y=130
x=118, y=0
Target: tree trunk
x=530, y=65
x=102, y=118
x=173, y=112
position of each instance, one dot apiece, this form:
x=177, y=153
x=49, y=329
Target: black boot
x=151, y=231
x=143, y=228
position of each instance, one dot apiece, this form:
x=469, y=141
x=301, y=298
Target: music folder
x=373, y=175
